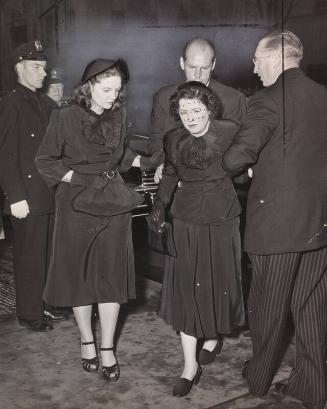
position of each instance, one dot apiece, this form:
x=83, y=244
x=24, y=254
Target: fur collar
x=104, y=129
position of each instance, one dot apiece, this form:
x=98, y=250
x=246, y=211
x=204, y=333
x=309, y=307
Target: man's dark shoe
x=54, y=315
x=36, y=325
x=281, y=388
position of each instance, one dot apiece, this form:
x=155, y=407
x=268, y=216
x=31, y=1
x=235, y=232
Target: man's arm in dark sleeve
x=238, y=109
x=10, y=173
x=49, y=156
x=262, y=118
x=158, y=119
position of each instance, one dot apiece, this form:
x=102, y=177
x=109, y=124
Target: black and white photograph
x=163, y=204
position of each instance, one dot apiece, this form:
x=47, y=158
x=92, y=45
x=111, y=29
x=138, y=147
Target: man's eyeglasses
x=255, y=60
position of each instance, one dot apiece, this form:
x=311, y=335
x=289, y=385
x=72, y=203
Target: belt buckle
x=109, y=174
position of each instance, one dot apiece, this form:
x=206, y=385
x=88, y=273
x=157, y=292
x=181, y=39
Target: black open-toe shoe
x=92, y=364
x=206, y=357
x=110, y=373
x=183, y=386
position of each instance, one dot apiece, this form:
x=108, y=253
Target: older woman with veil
x=201, y=295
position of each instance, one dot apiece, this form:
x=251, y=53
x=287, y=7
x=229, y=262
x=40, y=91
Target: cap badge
x=38, y=46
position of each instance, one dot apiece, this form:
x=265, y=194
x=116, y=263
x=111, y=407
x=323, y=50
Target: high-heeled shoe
x=110, y=373
x=183, y=386
x=206, y=357
x=90, y=364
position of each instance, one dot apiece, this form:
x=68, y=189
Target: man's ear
x=18, y=67
x=182, y=63
x=213, y=65
x=278, y=61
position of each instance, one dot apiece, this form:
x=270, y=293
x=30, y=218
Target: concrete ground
x=43, y=370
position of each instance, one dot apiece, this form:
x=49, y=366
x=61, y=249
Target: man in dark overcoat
x=198, y=62
x=285, y=141
x=30, y=203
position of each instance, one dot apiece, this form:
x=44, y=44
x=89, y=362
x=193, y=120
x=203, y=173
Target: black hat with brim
x=32, y=50
x=100, y=65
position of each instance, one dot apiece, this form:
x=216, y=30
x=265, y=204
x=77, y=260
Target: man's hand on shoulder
x=20, y=209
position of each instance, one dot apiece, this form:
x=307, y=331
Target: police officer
x=30, y=203
x=54, y=86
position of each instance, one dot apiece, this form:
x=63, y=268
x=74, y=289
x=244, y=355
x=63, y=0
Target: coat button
x=32, y=135
x=198, y=284
x=262, y=201
x=29, y=176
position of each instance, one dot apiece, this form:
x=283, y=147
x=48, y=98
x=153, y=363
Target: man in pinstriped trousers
x=284, y=140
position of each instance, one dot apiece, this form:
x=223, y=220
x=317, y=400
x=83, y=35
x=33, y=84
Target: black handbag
x=161, y=238
x=108, y=198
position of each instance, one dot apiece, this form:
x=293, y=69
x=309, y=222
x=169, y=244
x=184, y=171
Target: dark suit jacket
x=285, y=141
x=206, y=194
x=23, y=122
x=234, y=108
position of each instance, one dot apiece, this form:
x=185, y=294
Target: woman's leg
x=83, y=316
x=189, y=350
x=108, y=313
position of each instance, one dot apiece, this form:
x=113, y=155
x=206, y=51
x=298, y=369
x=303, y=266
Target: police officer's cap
x=55, y=77
x=100, y=65
x=32, y=50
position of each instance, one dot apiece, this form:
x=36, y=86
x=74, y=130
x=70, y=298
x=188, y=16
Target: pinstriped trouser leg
x=296, y=281
x=309, y=309
x=269, y=306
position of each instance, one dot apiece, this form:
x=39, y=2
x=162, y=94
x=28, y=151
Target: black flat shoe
x=111, y=373
x=183, y=386
x=36, y=325
x=90, y=364
x=206, y=357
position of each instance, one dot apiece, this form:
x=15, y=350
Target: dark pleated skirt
x=92, y=257
x=202, y=291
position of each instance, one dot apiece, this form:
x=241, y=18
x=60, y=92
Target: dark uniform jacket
x=23, y=122
x=205, y=193
x=234, y=109
x=285, y=141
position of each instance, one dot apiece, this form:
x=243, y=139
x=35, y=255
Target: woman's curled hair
x=82, y=92
x=196, y=90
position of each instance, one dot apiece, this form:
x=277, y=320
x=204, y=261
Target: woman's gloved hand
x=157, y=215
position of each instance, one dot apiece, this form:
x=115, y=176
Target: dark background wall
x=150, y=35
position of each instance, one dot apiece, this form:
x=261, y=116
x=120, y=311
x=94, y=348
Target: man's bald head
x=200, y=45
x=198, y=60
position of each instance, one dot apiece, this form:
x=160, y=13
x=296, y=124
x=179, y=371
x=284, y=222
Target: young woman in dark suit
x=92, y=255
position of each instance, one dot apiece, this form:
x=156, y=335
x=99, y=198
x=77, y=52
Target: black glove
x=157, y=215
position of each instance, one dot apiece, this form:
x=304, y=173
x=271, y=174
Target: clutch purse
x=111, y=198
x=161, y=239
